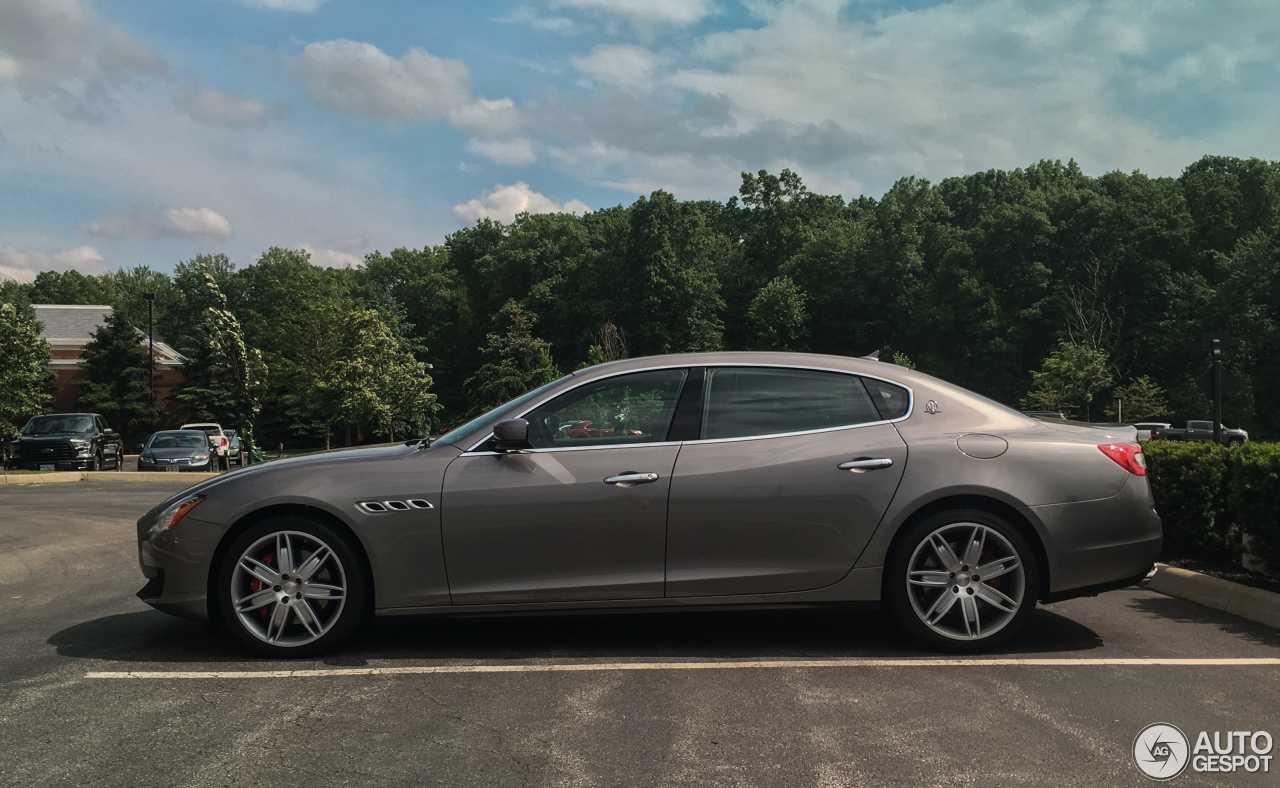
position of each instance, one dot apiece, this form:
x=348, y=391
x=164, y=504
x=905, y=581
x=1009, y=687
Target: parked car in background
x=745, y=479
x=218, y=441
x=177, y=450
x=1201, y=431
x=67, y=442
x=235, y=451
x=1045, y=414
x=1151, y=430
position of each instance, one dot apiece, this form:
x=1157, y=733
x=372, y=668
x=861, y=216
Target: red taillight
x=1127, y=456
x=224, y=443
x=1155, y=433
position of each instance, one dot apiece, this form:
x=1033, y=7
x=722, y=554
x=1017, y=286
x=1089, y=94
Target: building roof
x=63, y=324
x=70, y=322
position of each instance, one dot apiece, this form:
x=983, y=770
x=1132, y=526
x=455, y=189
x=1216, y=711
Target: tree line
x=1040, y=287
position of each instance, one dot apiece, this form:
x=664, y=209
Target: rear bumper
x=1107, y=543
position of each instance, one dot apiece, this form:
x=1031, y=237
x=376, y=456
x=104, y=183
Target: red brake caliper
x=986, y=559
x=256, y=585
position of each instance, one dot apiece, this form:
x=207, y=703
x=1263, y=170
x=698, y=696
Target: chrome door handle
x=865, y=465
x=631, y=478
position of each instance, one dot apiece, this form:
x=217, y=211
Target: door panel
x=769, y=515
x=543, y=526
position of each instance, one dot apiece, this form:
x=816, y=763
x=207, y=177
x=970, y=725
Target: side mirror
x=511, y=434
x=141, y=446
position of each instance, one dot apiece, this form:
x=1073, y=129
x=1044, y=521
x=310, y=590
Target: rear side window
x=891, y=401
x=1200, y=425
x=746, y=401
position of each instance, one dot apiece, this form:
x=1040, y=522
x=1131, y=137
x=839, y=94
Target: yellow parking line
x=723, y=665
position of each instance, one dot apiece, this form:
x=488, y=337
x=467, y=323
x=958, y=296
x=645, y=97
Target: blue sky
x=143, y=132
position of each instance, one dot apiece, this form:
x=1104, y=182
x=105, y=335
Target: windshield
x=460, y=432
x=177, y=440
x=44, y=425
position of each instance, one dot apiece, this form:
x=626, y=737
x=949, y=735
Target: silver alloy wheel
x=288, y=588
x=965, y=581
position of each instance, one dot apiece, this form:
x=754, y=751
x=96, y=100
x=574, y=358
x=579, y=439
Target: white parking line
x=724, y=665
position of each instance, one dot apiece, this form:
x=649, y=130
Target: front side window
x=746, y=401
x=634, y=408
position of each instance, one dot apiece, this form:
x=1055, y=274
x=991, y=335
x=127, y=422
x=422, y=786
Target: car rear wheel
x=963, y=580
x=293, y=587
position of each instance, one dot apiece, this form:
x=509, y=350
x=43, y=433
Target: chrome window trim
x=911, y=405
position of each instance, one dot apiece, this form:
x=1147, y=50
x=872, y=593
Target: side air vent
x=382, y=507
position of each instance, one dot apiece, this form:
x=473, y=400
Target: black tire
x=1234, y=443
x=898, y=594
x=95, y=462
x=351, y=568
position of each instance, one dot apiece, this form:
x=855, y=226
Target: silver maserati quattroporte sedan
x=700, y=479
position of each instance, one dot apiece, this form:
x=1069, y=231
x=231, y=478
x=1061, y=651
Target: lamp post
x=151, y=344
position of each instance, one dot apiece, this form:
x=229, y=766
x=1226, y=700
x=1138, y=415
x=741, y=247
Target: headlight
x=146, y=457
x=172, y=514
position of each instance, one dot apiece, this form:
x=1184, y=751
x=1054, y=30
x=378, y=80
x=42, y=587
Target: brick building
x=69, y=328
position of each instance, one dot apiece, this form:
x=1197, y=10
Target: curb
x=99, y=476
x=1255, y=604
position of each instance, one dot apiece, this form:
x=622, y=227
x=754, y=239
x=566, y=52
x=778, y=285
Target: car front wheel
x=292, y=587
x=962, y=581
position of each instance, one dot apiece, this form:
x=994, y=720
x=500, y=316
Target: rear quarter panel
x=1041, y=465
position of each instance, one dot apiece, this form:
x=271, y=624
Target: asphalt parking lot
x=766, y=698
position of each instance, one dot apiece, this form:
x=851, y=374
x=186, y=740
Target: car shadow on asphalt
x=1186, y=612
x=152, y=637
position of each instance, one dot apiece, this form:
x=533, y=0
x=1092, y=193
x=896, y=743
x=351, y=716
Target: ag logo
x=1160, y=751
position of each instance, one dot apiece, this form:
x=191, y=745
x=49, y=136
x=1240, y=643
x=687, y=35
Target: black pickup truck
x=67, y=442
x=1200, y=431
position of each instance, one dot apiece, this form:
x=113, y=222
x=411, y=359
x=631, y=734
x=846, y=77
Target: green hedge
x=1207, y=495
x=1190, y=482
x=1255, y=498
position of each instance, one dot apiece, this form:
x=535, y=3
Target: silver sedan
x=672, y=481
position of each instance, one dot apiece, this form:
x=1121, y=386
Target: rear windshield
x=44, y=425
x=177, y=440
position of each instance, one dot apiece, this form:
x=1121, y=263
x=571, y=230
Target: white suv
x=219, y=444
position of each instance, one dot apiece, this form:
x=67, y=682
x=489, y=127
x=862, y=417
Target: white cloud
x=861, y=98
x=224, y=109
x=504, y=203
x=486, y=117
x=46, y=43
x=648, y=12
x=303, y=6
x=624, y=65
x=202, y=223
x=516, y=151
x=22, y=265
x=355, y=78
x=524, y=15
x=332, y=258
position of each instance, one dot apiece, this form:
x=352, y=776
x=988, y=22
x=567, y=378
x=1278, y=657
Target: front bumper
x=203, y=467
x=77, y=464
x=177, y=564
x=1101, y=543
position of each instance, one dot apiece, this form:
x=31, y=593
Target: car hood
x=315, y=461
x=169, y=454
